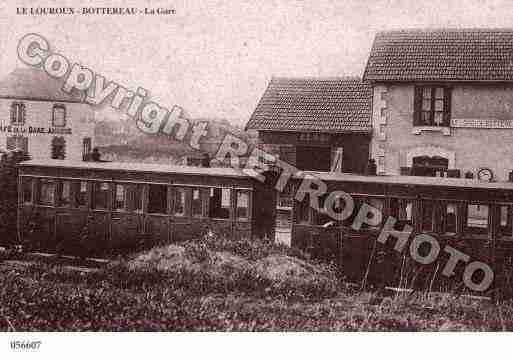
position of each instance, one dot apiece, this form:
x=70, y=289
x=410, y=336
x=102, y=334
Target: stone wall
x=396, y=141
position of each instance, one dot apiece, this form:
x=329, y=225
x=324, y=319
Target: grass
x=196, y=298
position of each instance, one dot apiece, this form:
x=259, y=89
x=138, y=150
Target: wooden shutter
x=23, y=144
x=417, y=106
x=447, y=106
x=11, y=143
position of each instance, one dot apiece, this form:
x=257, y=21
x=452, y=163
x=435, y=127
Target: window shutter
x=24, y=144
x=13, y=113
x=417, y=106
x=447, y=106
x=11, y=143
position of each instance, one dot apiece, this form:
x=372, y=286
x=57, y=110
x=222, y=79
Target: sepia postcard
x=300, y=168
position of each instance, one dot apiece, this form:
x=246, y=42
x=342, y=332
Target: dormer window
x=432, y=106
x=59, y=116
x=17, y=114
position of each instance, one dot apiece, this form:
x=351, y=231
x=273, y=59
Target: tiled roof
x=314, y=104
x=442, y=55
x=35, y=84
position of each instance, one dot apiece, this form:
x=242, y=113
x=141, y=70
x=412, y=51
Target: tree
x=9, y=195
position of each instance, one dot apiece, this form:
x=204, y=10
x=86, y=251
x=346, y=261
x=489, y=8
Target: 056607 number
x=25, y=345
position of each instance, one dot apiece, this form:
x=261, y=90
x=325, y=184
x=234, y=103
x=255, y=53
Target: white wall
x=38, y=114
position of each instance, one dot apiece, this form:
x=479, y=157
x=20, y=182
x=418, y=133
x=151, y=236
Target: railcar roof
x=409, y=180
x=142, y=167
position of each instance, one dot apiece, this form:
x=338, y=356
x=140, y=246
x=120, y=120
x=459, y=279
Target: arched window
x=59, y=116
x=58, y=148
x=17, y=114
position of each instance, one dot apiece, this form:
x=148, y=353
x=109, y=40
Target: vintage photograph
x=270, y=166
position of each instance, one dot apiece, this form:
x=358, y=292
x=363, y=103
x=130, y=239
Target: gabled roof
x=314, y=104
x=35, y=84
x=442, y=55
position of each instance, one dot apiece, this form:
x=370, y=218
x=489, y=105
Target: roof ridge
x=467, y=54
x=445, y=29
x=319, y=78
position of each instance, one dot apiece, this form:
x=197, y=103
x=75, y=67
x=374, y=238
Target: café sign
x=481, y=123
x=30, y=130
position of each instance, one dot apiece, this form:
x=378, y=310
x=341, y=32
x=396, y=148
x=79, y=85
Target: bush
x=249, y=248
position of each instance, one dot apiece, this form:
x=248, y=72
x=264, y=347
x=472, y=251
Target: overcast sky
x=215, y=58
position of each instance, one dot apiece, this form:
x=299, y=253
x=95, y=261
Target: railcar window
x=81, y=194
x=27, y=189
x=134, y=195
x=402, y=210
x=219, y=203
x=101, y=191
x=64, y=193
x=242, y=205
x=321, y=216
x=303, y=210
x=477, y=219
x=338, y=206
x=179, y=201
x=197, y=203
x=120, y=199
x=377, y=203
x=157, y=199
x=357, y=202
x=428, y=215
x=505, y=229
x=451, y=218
x=46, y=192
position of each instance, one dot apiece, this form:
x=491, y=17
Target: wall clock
x=485, y=175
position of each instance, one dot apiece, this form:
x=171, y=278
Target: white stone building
x=38, y=117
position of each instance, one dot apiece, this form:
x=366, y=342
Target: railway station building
x=317, y=124
x=442, y=103
x=36, y=116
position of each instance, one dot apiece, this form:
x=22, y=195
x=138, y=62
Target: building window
x=101, y=191
x=432, y=106
x=179, y=202
x=26, y=184
x=86, y=148
x=17, y=143
x=64, y=193
x=46, y=192
x=58, y=148
x=157, y=199
x=242, y=209
x=120, y=198
x=59, y=116
x=197, y=203
x=17, y=114
x=219, y=203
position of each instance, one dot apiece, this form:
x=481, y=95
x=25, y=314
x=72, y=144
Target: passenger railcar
x=472, y=216
x=120, y=202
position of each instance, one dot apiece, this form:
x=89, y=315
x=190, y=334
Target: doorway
x=313, y=158
x=430, y=166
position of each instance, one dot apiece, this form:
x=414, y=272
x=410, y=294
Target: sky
x=215, y=58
